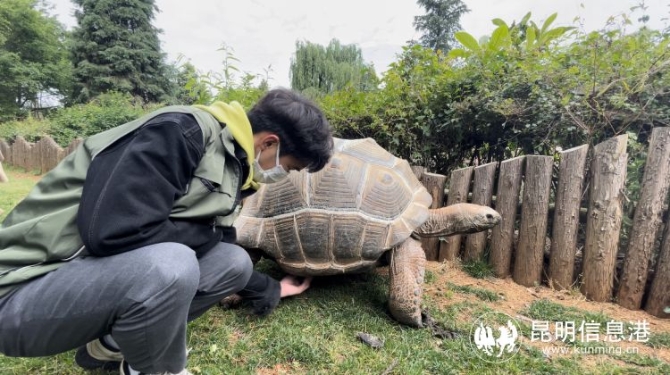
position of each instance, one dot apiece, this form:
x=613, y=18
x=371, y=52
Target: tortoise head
x=460, y=218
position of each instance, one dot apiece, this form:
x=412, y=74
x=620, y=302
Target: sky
x=262, y=33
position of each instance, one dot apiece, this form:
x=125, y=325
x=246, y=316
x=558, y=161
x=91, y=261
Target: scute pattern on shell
x=340, y=219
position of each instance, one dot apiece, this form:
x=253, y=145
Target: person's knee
x=173, y=269
x=241, y=267
x=179, y=267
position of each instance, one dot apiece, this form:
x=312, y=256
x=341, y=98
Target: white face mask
x=272, y=175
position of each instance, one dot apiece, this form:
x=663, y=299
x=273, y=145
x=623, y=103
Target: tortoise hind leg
x=408, y=262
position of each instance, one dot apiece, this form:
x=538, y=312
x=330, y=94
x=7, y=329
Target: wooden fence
x=565, y=239
x=41, y=156
x=571, y=237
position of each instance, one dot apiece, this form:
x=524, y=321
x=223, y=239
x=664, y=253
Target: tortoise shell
x=341, y=219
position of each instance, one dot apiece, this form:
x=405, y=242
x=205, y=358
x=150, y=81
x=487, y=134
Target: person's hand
x=292, y=285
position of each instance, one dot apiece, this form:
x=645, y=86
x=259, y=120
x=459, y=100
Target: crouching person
x=130, y=236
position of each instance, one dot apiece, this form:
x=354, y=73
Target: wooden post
x=434, y=183
x=659, y=297
x=458, y=193
x=418, y=171
x=6, y=151
x=482, y=193
x=73, y=145
x=32, y=157
x=40, y=147
x=647, y=220
x=608, y=175
x=507, y=200
x=534, y=216
x=18, y=152
x=50, y=153
x=3, y=176
x=566, y=217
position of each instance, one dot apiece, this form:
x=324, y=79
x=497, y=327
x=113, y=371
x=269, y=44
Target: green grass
x=315, y=333
x=479, y=269
x=11, y=193
x=482, y=294
x=659, y=340
x=545, y=310
x=643, y=361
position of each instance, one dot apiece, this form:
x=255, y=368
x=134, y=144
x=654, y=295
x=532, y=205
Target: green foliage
x=29, y=128
x=351, y=112
x=190, y=86
x=187, y=84
x=316, y=70
x=116, y=48
x=245, y=92
x=527, y=88
x=398, y=116
x=33, y=58
x=526, y=35
x=441, y=21
x=114, y=108
x=226, y=85
x=478, y=269
x=104, y=112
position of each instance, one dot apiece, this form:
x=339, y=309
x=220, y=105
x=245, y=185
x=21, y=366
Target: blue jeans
x=143, y=298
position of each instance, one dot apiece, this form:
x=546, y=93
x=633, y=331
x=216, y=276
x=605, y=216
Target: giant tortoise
x=365, y=203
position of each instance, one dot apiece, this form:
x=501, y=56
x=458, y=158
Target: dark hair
x=301, y=126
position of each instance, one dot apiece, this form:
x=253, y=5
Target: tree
x=187, y=84
x=33, y=58
x=116, y=48
x=319, y=70
x=441, y=21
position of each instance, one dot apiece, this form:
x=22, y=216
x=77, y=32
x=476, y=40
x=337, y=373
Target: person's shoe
x=124, y=369
x=95, y=355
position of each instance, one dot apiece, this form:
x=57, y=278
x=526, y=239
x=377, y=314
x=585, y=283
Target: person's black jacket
x=130, y=190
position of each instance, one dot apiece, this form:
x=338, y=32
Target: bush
x=525, y=89
x=102, y=113
x=31, y=129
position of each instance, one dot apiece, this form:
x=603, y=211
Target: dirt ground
x=19, y=174
x=517, y=298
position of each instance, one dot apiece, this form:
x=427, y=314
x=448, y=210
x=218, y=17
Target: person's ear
x=268, y=141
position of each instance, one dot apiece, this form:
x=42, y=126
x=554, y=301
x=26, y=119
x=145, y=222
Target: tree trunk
x=647, y=220
x=434, y=183
x=507, y=201
x=458, y=193
x=608, y=175
x=659, y=297
x=534, y=215
x=566, y=217
x=482, y=193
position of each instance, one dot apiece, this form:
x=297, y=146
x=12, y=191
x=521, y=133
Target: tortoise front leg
x=408, y=262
